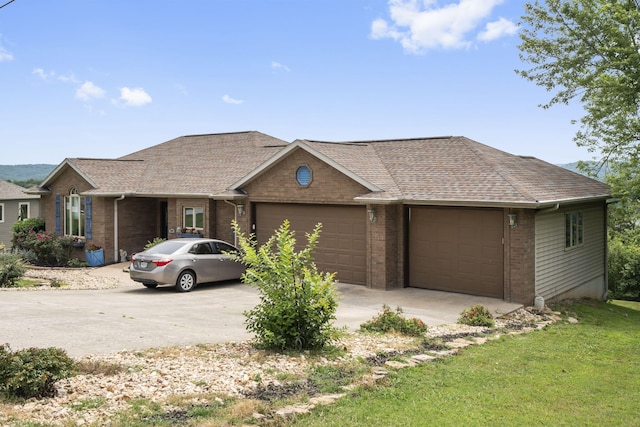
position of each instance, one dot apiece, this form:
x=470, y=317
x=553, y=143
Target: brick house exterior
x=426, y=212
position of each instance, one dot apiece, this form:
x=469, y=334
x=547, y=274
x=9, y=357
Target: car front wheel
x=186, y=281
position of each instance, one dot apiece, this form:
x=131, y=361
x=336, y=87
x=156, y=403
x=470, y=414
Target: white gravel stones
x=229, y=369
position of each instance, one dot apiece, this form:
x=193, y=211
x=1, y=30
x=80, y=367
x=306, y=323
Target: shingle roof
x=442, y=170
x=457, y=170
x=11, y=191
x=195, y=165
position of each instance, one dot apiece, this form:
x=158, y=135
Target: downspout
x=235, y=218
x=116, y=248
x=551, y=209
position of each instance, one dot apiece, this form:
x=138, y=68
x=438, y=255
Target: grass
x=584, y=374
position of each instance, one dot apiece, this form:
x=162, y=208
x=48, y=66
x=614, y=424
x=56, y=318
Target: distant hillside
x=25, y=172
x=574, y=168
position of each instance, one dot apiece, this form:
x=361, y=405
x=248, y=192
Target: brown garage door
x=457, y=250
x=342, y=244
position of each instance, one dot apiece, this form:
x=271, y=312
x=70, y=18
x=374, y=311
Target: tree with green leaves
x=588, y=50
x=297, y=302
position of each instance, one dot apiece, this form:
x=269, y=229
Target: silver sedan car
x=185, y=263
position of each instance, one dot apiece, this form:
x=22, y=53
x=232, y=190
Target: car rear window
x=166, y=248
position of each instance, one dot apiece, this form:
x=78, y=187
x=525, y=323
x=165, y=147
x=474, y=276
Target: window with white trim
x=574, y=229
x=1, y=212
x=74, y=214
x=24, y=211
x=193, y=217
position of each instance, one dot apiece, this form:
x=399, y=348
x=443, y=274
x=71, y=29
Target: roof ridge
x=369, y=141
x=494, y=165
x=219, y=133
x=106, y=160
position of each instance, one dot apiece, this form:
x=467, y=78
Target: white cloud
x=230, y=100
x=5, y=55
x=48, y=75
x=421, y=25
x=69, y=78
x=88, y=91
x=278, y=66
x=136, y=97
x=43, y=74
x=495, y=30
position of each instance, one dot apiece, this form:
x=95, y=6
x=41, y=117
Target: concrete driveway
x=133, y=317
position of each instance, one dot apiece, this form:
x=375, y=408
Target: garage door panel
x=457, y=250
x=342, y=243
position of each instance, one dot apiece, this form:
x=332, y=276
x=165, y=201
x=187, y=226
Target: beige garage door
x=342, y=244
x=457, y=250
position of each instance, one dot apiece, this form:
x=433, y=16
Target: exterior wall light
x=372, y=214
x=513, y=220
x=241, y=210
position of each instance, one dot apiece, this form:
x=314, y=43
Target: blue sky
x=89, y=78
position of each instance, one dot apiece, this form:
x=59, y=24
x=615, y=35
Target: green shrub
x=477, y=315
x=297, y=303
x=32, y=372
x=22, y=229
x=624, y=269
x=44, y=248
x=394, y=321
x=152, y=243
x=11, y=270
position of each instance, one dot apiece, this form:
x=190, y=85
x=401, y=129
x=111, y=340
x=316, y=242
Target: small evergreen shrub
x=394, y=321
x=477, y=315
x=297, y=303
x=11, y=270
x=32, y=372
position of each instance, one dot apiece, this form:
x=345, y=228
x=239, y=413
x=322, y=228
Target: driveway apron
x=132, y=317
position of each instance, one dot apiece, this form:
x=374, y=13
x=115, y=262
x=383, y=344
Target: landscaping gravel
x=229, y=369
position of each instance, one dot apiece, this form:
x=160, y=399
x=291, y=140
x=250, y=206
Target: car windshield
x=166, y=248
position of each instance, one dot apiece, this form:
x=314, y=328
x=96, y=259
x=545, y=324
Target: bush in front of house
x=11, y=270
x=32, y=372
x=394, y=321
x=476, y=315
x=46, y=249
x=297, y=303
x=22, y=229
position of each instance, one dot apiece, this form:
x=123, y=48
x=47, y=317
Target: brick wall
x=385, y=266
x=520, y=258
x=328, y=185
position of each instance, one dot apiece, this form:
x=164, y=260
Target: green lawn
x=585, y=374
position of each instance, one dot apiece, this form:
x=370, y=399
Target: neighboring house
x=443, y=213
x=14, y=205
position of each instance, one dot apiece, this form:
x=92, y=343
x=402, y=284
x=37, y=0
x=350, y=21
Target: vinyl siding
x=559, y=270
x=11, y=217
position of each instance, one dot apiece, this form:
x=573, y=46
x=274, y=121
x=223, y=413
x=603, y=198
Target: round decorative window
x=303, y=176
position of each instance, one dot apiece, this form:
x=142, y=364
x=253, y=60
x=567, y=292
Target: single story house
x=15, y=205
x=444, y=213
